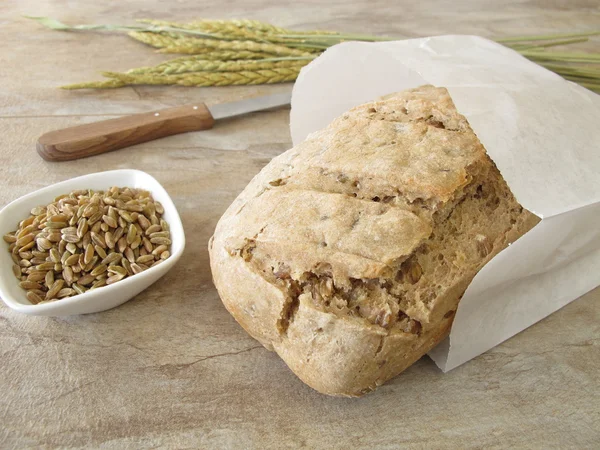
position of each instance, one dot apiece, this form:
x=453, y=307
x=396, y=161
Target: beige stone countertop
x=171, y=368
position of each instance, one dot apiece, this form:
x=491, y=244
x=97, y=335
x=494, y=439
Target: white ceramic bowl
x=99, y=299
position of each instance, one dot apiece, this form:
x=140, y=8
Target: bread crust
x=334, y=254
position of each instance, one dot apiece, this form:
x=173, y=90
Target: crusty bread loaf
x=349, y=253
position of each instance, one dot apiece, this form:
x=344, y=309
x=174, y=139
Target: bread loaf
x=349, y=253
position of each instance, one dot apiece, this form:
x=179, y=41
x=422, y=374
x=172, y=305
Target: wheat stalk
x=217, y=56
x=199, y=64
x=234, y=30
x=174, y=43
x=227, y=46
x=239, y=27
x=227, y=32
x=194, y=45
x=249, y=77
x=547, y=37
x=104, y=84
x=223, y=27
x=218, y=29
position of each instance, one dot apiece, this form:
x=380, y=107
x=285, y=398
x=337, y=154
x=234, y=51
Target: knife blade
x=107, y=135
x=233, y=109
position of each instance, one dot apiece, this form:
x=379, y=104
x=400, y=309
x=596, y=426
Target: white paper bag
x=542, y=132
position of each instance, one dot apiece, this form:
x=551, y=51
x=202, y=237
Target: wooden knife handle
x=108, y=135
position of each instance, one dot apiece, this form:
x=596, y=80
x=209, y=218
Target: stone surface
x=171, y=368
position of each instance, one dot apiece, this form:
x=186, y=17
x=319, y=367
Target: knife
x=108, y=135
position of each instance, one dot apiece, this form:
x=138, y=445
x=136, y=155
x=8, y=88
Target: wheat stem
x=547, y=37
x=584, y=71
x=564, y=56
x=106, y=84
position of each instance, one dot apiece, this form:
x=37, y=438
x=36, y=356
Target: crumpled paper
x=542, y=132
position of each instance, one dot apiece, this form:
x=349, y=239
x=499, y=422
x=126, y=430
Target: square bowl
x=105, y=297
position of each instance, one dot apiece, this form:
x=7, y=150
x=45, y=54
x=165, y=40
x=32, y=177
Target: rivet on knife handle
x=108, y=135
